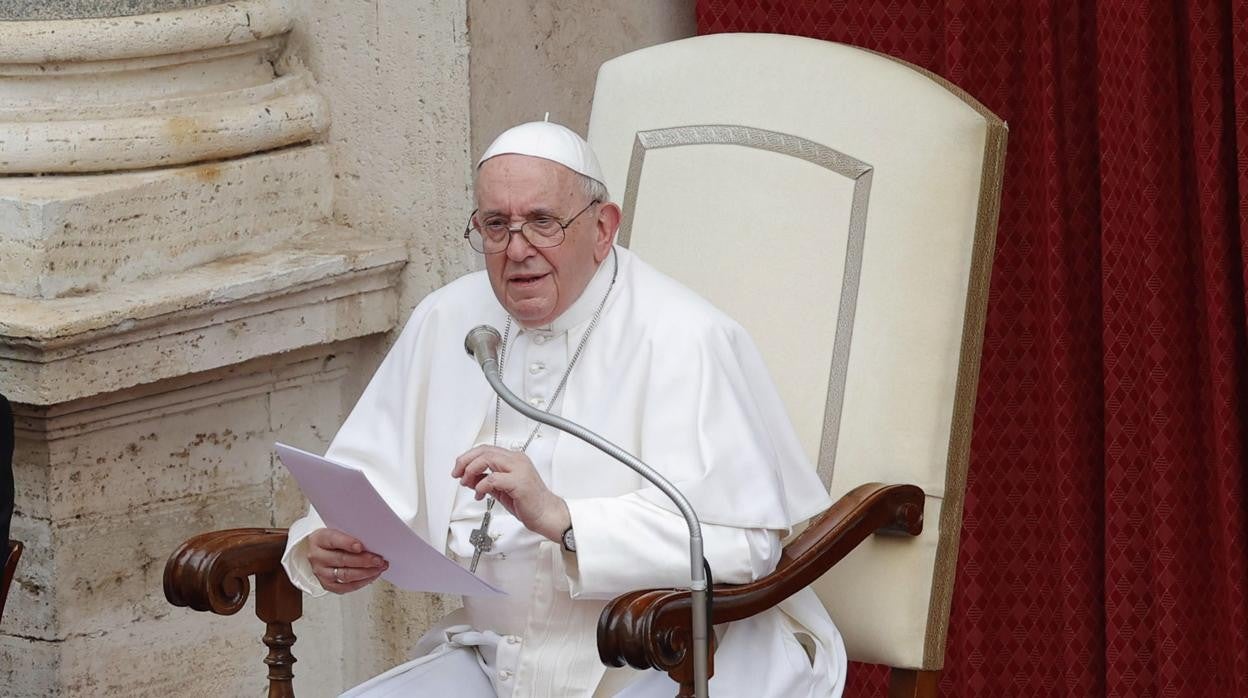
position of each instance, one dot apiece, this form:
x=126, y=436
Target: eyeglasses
x=494, y=235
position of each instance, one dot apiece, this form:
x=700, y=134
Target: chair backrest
x=841, y=205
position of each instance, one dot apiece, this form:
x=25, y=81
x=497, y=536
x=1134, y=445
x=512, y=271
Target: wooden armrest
x=12, y=553
x=651, y=629
x=209, y=573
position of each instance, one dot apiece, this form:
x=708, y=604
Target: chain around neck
x=576, y=355
x=563, y=381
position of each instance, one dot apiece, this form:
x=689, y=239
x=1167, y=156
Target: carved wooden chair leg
x=279, y=604
x=912, y=683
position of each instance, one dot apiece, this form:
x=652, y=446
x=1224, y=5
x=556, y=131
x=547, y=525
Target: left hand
x=511, y=478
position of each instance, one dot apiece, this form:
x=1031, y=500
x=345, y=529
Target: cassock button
x=513, y=640
x=536, y=368
x=539, y=339
x=536, y=401
x=504, y=675
x=517, y=444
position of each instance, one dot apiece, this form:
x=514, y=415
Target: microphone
x=482, y=344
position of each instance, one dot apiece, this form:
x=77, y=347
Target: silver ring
x=337, y=578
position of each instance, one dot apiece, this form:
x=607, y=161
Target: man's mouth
x=523, y=280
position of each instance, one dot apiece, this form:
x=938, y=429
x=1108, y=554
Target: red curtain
x=1105, y=541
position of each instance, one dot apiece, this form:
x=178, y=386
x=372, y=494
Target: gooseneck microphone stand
x=482, y=344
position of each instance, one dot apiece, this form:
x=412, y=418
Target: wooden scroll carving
x=210, y=573
x=651, y=629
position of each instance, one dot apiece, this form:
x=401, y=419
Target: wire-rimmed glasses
x=492, y=236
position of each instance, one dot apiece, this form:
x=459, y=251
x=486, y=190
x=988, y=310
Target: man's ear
x=608, y=223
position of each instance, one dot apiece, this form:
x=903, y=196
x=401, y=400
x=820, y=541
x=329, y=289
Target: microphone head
x=482, y=343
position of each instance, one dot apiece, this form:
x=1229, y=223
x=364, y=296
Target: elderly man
x=592, y=333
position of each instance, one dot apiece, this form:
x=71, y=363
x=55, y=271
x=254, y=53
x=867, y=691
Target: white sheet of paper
x=347, y=501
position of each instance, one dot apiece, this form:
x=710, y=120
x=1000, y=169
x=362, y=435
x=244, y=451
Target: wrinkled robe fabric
x=667, y=377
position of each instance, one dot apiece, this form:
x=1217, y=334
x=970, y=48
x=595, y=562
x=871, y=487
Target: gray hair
x=595, y=190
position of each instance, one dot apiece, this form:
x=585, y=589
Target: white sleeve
x=626, y=543
x=295, y=559
x=372, y=439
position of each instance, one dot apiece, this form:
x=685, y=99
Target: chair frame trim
x=983, y=245
x=855, y=170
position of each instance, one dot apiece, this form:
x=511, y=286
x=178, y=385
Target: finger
x=351, y=579
x=483, y=487
x=474, y=471
x=337, y=588
x=467, y=457
x=496, y=484
x=336, y=558
x=333, y=539
x=480, y=467
x=351, y=575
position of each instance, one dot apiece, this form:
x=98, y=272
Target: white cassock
x=667, y=377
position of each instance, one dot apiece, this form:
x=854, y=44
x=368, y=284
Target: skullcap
x=542, y=139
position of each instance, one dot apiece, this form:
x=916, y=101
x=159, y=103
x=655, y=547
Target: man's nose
x=518, y=246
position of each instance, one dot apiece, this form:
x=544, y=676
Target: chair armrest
x=210, y=573
x=651, y=629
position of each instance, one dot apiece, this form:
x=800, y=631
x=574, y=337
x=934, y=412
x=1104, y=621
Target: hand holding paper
x=347, y=501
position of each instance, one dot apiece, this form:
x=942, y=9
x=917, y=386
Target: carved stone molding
x=318, y=291
x=183, y=394
x=86, y=9
x=119, y=93
x=72, y=235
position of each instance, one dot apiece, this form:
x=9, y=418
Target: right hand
x=330, y=550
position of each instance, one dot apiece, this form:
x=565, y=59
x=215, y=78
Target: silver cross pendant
x=480, y=538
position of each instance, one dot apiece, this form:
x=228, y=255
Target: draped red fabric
x=1105, y=541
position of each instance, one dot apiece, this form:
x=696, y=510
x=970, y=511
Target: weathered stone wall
x=395, y=74
x=539, y=56
x=110, y=485
x=212, y=258
x=186, y=276
x=85, y=9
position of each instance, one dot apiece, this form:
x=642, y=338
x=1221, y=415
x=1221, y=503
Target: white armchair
x=842, y=206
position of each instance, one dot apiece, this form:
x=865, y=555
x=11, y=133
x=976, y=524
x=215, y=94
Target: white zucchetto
x=542, y=139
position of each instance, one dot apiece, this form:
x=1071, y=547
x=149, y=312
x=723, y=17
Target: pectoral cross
x=480, y=537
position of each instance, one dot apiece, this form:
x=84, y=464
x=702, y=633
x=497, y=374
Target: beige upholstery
x=829, y=199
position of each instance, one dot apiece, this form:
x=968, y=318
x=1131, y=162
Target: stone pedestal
x=174, y=297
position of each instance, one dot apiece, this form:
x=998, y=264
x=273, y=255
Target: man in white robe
x=654, y=369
